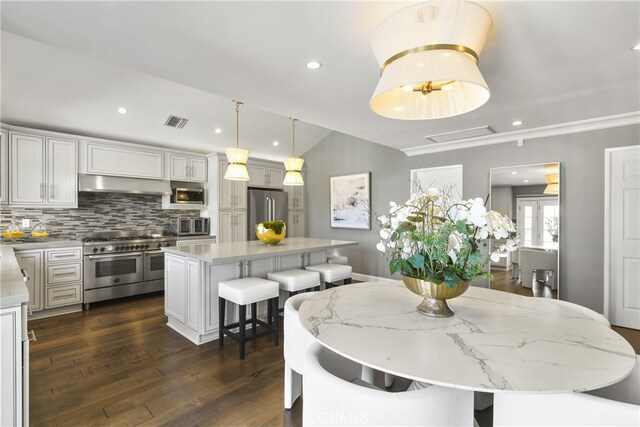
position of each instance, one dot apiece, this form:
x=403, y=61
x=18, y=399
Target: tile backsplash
x=100, y=212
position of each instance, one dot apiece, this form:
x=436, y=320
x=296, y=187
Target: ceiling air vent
x=176, y=122
x=461, y=134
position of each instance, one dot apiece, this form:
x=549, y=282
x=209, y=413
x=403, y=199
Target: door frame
x=607, y=223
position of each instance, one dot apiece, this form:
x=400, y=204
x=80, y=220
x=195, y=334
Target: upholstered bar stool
x=331, y=273
x=338, y=259
x=249, y=290
x=296, y=280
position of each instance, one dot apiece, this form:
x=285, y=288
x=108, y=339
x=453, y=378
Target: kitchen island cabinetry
x=192, y=274
x=43, y=171
x=31, y=262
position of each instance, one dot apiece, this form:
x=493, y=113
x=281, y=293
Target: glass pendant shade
x=553, y=187
x=293, y=166
x=428, y=56
x=237, y=169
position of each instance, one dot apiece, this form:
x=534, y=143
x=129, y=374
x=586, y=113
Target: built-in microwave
x=188, y=196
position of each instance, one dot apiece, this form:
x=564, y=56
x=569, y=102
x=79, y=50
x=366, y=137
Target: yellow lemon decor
x=39, y=234
x=271, y=232
x=13, y=234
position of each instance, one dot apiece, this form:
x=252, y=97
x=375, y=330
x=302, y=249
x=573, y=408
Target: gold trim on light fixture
x=237, y=157
x=426, y=48
x=293, y=164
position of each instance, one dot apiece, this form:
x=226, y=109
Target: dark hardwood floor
x=119, y=364
x=502, y=281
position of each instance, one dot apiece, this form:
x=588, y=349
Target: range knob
x=167, y=244
x=101, y=249
x=94, y=250
x=117, y=248
x=146, y=246
x=159, y=245
x=136, y=247
x=127, y=247
x=109, y=248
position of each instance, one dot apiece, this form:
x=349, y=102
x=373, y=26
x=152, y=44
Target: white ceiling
x=545, y=62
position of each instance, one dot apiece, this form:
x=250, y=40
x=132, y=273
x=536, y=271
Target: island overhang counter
x=193, y=271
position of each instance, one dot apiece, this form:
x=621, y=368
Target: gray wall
x=581, y=187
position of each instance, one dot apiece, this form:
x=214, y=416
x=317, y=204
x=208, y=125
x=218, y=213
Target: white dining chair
x=334, y=395
x=616, y=405
x=296, y=341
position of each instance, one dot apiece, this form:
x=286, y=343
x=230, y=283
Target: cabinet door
x=32, y=262
x=240, y=227
x=198, y=169
x=291, y=225
x=62, y=172
x=240, y=193
x=300, y=225
x=27, y=170
x=225, y=224
x=296, y=197
x=226, y=189
x=178, y=167
x=124, y=161
x=11, y=367
x=275, y=176
x=193, y=285
x=175, y=299
x=4, y=167
x=257, y=175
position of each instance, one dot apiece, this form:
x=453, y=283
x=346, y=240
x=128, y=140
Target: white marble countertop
x=13, y=290
x=495, y=342
x=37, y=243
x=220, y=253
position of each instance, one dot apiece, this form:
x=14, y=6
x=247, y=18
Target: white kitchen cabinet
x=295, y=226
x=232, y=194
x=43, y=171
x=193, y=292
x=59, y=296
x=232, y=226
x=11, y=367
x=63, y=277
x=187, y=168
x=4, y=167
x=32, y=262
x=265, y=175
x=296, y=197
x=175, y=293
x=121, y=160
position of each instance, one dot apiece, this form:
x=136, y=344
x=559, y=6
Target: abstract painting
x=351, y=201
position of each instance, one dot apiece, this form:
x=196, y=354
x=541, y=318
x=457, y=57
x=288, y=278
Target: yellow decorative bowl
x=435, y=295
x=271, y=232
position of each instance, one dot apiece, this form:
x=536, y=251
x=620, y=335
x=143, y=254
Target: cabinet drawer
x=58, y=296
x=64, y=273
x=67, y=254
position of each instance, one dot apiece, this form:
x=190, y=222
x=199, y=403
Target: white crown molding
x=606, y=122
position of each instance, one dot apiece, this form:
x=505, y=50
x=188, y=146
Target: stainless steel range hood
x=115, y=184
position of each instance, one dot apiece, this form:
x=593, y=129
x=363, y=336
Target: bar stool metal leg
x=242, y=314
x=221, y=307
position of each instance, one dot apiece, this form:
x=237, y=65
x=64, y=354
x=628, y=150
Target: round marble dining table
x=495, y=342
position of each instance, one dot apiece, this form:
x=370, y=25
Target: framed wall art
x=351, y=201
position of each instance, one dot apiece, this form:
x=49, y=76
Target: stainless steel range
x=122, y=263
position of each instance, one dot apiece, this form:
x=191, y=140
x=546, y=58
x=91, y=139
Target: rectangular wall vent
x=461, y=134
x=176, y=122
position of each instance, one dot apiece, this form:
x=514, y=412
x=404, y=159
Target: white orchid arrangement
x=433, y=238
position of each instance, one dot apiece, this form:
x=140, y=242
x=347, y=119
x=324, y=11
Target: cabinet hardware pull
x=33, y=335
x=25, y=274
x=29, y=311
x=41, y=191
x=51, y=191
x=105, y=256
x=65, y=256
x=73, y=273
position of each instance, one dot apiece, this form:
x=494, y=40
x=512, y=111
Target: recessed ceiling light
x=636, y=47
x=526, y=180
x=218, y=130
x=517, y=122
x=514, y=173
x=122, y=110
x=275, y=143
x=313, y=65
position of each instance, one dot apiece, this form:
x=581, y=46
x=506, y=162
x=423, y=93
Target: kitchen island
x=193, y=271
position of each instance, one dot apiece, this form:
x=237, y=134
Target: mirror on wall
x=530, y=196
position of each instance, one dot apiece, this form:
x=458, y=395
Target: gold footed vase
x=435, y=296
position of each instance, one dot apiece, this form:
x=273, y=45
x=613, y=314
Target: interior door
x=622, y=236
x=527, y=222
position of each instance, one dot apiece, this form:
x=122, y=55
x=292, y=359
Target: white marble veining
x=13, y=290
x=218, y=253
x=496, y=341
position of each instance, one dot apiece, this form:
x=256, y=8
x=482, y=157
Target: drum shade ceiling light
x=428, y=56
x=293, y=165
x=237, y=157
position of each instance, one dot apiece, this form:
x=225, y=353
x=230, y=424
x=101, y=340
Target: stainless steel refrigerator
x=265, y=205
